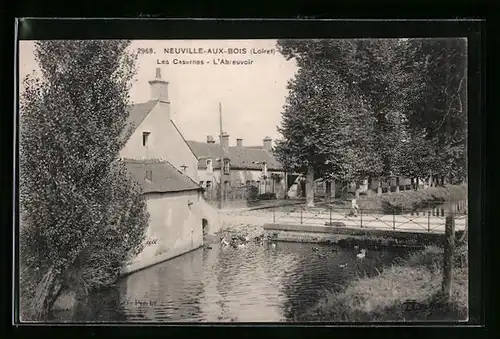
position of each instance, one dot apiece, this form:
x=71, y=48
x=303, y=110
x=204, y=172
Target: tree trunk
x=449, y=248
x=328, y=192
x=397, y=184
x=46, y=294
x=379, y=186
x=310, y=186
x=332, y=189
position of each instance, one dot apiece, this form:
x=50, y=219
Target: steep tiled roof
x=241, y=157
x=165, y=177
x=138, y=112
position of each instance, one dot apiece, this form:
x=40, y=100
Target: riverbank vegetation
x=412, y=282
x=82, y=216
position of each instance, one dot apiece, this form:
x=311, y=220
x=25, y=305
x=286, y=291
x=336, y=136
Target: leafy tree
x=406, y=105
x=314, y=102
x=83, y=217
x=370, y=71
x=435, y=100
x=327, y=124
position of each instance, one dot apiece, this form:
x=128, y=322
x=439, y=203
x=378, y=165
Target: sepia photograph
x=256, y=181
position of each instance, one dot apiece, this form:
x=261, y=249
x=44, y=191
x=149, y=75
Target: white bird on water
x=224, y=242
x=241, y=245
x=361, y=255
x=273, y=245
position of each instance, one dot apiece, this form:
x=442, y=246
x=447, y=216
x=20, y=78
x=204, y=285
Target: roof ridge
x=185, y=141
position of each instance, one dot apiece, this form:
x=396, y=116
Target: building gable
x=164, y=140
x=137, y=114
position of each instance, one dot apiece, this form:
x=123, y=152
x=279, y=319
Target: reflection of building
x=247, y=165
x=159, y=158
x=170, y=291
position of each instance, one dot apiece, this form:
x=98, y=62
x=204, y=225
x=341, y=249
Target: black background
x=481, y=82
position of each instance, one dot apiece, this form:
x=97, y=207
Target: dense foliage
x=83, y=217
x=375, y=108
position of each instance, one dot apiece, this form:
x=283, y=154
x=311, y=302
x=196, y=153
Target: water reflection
x=252, y=284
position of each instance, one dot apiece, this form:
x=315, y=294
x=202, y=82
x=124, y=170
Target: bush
x=252, y=193
x=411, y=200
x=267, y=196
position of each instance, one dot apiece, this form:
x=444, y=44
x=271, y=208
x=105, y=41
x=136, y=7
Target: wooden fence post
x=449, y=248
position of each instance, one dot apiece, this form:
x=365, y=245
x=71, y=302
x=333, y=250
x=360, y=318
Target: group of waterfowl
x=360, y=256
x=242, y=241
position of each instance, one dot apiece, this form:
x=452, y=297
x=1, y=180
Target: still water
x=221, y=284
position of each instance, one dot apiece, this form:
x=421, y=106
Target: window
x=209, y=165
x=226, y=166
x=209, y=184
x=149, y=175
x=145, y=137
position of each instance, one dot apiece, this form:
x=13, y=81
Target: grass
x=381, y=298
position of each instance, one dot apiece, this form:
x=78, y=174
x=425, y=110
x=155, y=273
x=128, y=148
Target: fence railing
x=430, y=219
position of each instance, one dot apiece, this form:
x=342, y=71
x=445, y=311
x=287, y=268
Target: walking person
x=354, y=207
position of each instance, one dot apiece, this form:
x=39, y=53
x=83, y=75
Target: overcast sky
x=252, y=96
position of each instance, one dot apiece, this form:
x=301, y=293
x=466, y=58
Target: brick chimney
x=159, y=88
x=210, y=139
x=239, y=142
x=225, y=140
x=268, y=143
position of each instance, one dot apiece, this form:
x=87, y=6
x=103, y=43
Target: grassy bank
x=382, y=298
x=409, y=200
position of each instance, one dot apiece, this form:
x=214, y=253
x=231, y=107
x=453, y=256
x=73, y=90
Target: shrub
x=267, y=196
x=410, y=200
x=252, y=193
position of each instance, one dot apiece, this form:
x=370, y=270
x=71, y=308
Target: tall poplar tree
x=82, y=216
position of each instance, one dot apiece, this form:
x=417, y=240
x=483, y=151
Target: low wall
x=150, y=261
x=346, y=237
x=175, y=228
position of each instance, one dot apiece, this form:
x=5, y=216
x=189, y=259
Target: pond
x=222, y=284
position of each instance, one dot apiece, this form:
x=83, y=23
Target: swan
x=273, y=245
x=224, y=242
x=361, y=255
x=343, y=265
x=241, y=245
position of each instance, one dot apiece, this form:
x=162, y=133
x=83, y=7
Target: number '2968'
x=145, y=51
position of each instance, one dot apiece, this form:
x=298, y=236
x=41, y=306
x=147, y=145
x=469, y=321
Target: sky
x=252, y=95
